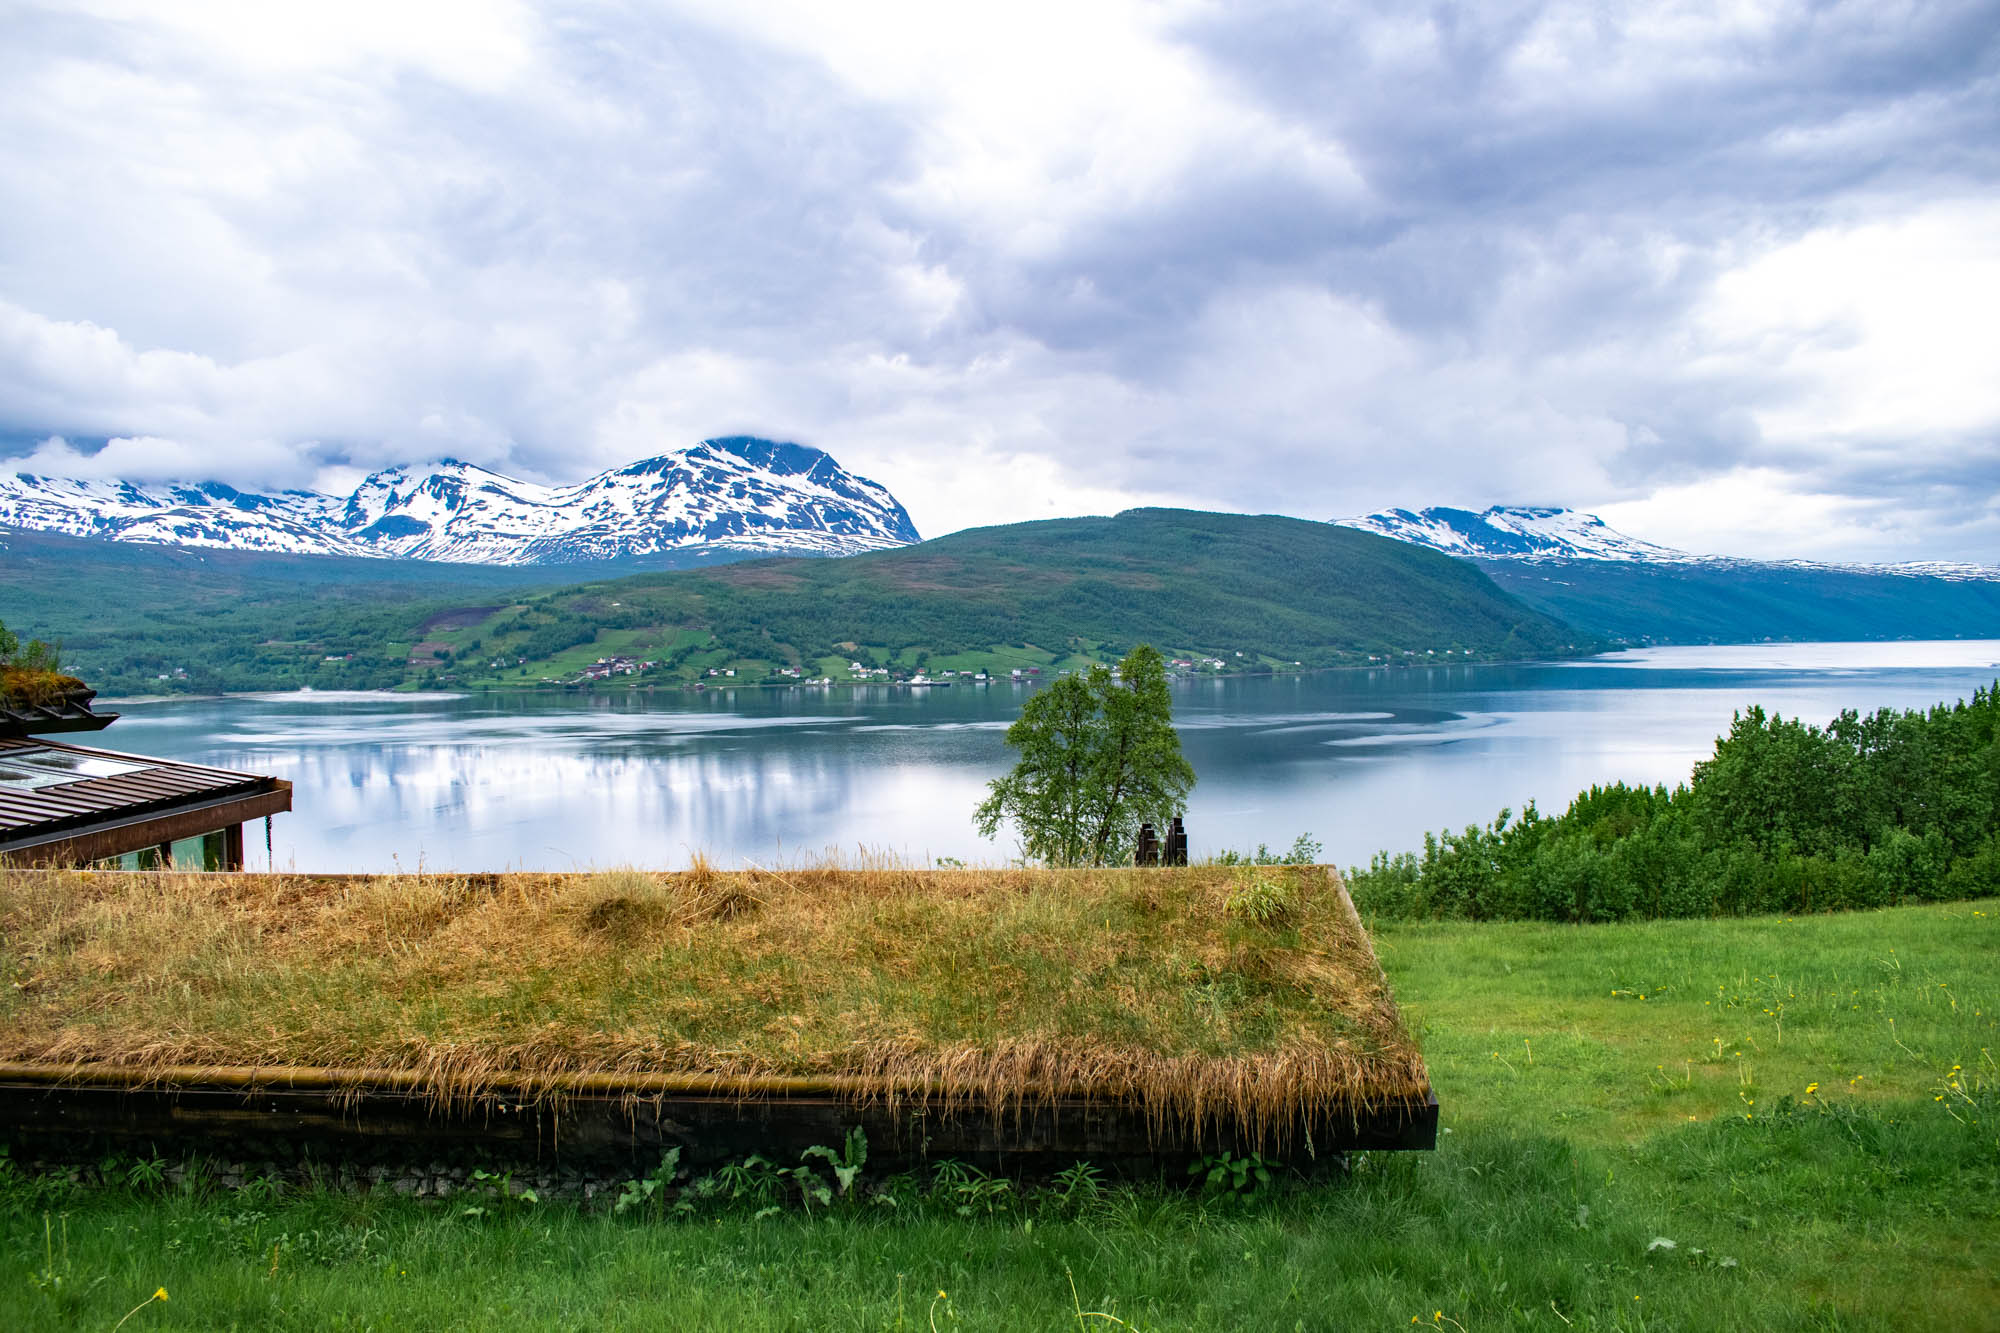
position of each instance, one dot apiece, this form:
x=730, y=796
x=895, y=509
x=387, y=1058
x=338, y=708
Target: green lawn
x=568, y=664
x=1753, y=1125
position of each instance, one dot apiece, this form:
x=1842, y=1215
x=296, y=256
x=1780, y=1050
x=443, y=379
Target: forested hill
x=1284, y=588
x=1254, y=593
x=1746, y=601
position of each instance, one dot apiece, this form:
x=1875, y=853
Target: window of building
x=205, y=852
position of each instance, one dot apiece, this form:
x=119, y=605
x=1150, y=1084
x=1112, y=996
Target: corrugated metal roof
x=157, y=786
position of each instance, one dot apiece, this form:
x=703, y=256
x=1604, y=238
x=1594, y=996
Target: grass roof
x=24, y=687
x=1205, y=994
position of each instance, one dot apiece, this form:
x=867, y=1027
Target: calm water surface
x=1360, y=760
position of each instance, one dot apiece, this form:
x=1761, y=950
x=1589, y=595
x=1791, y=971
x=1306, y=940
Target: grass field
x=1744, y=1124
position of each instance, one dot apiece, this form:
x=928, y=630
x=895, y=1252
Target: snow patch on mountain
x=1533, y=533
x=1514, y=533
x=738, y=493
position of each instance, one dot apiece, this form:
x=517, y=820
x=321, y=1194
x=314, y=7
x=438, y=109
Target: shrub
x=1784, y=817
x=1390, y=886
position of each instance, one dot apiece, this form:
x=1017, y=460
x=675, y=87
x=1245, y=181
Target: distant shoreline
x=599, y=687
x=602, y=687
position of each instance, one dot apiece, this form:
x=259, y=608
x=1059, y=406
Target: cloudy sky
x=1727, y=274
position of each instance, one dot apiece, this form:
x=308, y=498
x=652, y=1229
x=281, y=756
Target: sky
x=1725, y=274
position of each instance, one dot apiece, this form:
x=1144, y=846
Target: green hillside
x=1255, y=593
x=1285, y=587
x=207, y=620
x=1748, y=603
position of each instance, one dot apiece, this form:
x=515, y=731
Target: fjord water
x=1361, y=760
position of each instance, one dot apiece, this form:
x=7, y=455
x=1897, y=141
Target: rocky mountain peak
x=739, y=494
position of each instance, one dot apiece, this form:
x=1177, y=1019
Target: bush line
x=1784, y=818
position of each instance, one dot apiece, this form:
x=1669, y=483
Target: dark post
x=1176, y=843
x=1149, y=847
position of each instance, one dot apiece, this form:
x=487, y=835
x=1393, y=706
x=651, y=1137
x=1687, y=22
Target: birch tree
x=1098, y=758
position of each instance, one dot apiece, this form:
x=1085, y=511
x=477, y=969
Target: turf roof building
x=63, y=804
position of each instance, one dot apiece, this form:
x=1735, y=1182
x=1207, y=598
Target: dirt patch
x=462, y=617
x=744, y=576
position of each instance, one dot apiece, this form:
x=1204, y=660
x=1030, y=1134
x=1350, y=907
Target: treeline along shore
x=1785, y=817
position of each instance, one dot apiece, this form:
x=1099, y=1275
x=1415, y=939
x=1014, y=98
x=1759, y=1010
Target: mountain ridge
x=1578, y=569
x=1538, y=533
x=1512, y=532
x=730, y=493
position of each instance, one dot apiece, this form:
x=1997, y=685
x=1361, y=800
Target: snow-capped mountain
x=738, y=494
x=205, y=514
x=1514, y=533
x=1527, y=533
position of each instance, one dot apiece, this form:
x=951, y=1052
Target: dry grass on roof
x=1199, y=992
x=21, y=687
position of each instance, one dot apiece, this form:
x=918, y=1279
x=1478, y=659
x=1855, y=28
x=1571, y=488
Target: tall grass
x=988, y=984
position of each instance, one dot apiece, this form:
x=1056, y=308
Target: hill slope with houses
x=1248, y=593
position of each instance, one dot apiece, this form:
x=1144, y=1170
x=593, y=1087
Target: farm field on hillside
x=1749, y=1124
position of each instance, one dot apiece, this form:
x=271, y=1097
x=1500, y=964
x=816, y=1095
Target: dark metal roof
x=155, y=786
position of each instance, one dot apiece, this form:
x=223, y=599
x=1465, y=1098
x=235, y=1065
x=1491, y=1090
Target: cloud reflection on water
x=1361, y=760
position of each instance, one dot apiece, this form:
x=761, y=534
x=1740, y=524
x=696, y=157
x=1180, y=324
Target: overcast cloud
x=1726, y=274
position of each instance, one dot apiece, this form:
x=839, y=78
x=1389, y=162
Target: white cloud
x=482, y=44
x=1045, y=116
x=1763, y=513
x=1054, y=259
x=151, y=458
x=1883, y=327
